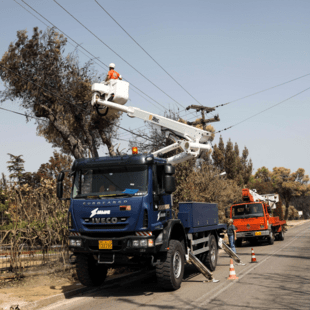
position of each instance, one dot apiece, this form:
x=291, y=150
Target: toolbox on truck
x=198, y=214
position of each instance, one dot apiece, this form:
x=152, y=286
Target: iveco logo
x=96, y=212
x=104, y=220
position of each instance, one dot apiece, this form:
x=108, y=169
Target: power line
x=118, y=54
x=146, y=51
x=26, y=115
x=264, y=110
x=94, y=57
x=261, y=91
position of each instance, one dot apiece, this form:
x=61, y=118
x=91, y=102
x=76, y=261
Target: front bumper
x=121, y=245
x=252, y=234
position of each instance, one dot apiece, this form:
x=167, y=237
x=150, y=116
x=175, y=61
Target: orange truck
x=253, y=218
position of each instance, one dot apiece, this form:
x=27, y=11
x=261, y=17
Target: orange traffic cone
x=253, y=258
x=232, y=273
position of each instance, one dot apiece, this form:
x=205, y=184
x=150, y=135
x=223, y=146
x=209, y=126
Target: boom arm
x=251, y=195
x=193, y=141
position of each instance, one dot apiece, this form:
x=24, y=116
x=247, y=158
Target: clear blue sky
x=218, y=50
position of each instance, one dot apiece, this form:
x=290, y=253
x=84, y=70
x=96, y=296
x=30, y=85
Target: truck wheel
x=170, y=270
x=271, y=238
x=281, y=235
x=239, y=242
x=89, y=272
x=211, y=257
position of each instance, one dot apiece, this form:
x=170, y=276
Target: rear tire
x=211, y=255
x=170, y=270
x=281, y=235
x=89, y=272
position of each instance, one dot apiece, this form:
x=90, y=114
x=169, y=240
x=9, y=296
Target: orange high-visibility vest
x=113, y=75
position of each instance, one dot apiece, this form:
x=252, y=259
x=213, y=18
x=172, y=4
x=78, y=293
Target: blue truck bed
x=199, y=216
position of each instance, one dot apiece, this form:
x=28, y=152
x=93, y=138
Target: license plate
x=105, y=245
x=258, y=233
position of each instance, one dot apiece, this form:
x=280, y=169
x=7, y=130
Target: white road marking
x=240, y=277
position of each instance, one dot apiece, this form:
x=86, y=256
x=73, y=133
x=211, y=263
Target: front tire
x=89, y=272
x=238, y=242
x=170, y=270
x=271, y=238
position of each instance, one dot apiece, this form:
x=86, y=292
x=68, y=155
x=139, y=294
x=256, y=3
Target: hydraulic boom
x=193, y=141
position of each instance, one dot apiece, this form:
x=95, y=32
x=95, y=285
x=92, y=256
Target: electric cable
x=94, y=57
x=261, y=91
x=146, y=52
x=118, y=54
x=26, y=115
x=263, y=110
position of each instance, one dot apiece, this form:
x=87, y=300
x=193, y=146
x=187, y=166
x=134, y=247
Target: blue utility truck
x=121, y=208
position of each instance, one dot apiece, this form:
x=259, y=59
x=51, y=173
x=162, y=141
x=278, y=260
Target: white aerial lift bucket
x=116, y=91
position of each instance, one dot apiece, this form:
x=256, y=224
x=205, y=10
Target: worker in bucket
x=231, y=232
x=112, y=74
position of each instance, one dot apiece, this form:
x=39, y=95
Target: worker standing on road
x=231, y=232
x=112, y=74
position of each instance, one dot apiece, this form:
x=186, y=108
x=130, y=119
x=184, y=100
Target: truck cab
x=120, y=204
x=253, y=219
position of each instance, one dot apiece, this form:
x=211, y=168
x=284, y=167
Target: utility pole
x=203, y=121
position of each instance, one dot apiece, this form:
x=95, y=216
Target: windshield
x=112, y=181
x=247, y=210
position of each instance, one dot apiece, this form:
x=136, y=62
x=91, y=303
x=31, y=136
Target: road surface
x=279, y=280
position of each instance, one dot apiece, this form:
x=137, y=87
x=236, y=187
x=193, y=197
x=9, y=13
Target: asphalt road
x=279, y=280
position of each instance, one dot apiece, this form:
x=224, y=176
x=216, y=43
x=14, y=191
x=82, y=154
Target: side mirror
x=169, y=184
x=269, y=210
x=60, y=190
x=61, y=176
x=169, y=169
x=227, y=212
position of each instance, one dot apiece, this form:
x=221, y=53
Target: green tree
x=218, y=155
x=227, y=158
x=16, y=167
x=247, y=166
x=57, y=163
x=230, y=165
x=289, y=185
x=60, y=94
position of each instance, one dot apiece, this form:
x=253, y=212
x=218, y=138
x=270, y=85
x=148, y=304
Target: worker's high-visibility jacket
x=113, y=75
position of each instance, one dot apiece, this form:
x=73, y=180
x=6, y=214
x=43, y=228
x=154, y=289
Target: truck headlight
x=75, y=242
x=135, y=243
x=143, y=243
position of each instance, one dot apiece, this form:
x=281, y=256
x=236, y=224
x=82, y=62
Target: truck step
x=106, y=258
